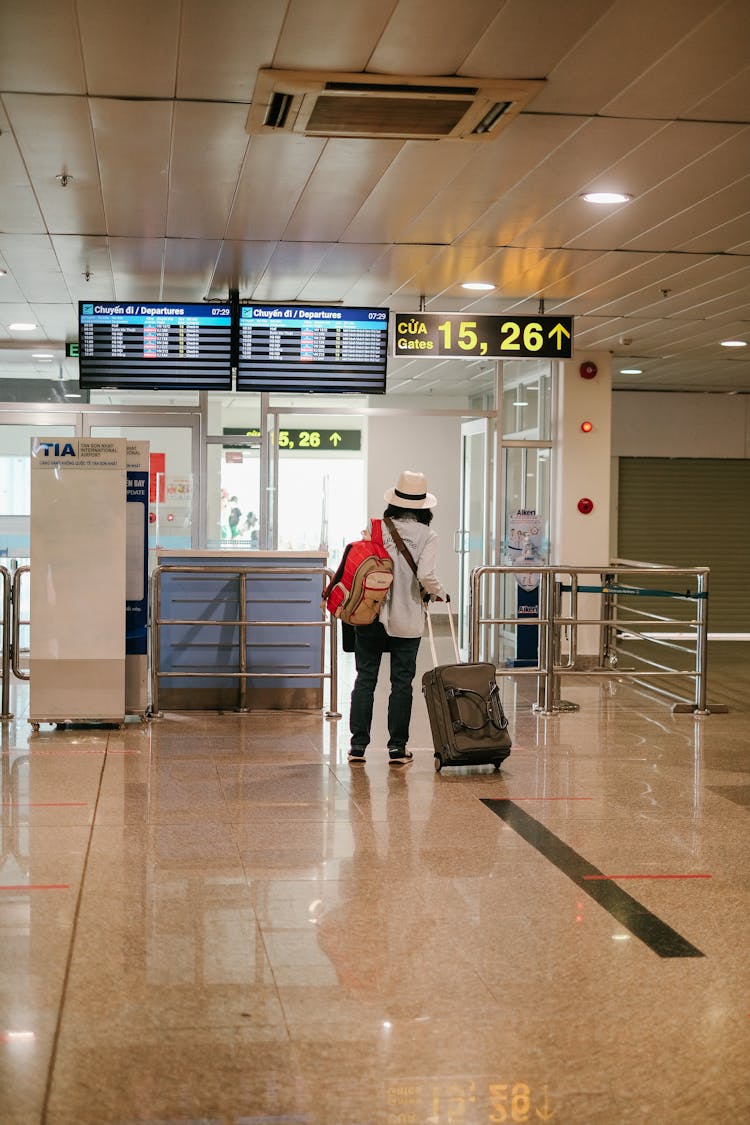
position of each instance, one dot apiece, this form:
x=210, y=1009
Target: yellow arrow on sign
x=335, y=438
x=545, y=1112
x=559, y=330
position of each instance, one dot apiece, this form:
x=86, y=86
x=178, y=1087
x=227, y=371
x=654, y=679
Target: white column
x=582, y=473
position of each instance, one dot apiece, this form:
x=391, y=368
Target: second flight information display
x=332, y=349
x=155, y=346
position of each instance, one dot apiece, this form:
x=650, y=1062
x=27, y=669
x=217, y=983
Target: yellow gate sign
x=491, y=337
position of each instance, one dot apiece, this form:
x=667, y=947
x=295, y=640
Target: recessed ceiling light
x=21, y=327
x=727, y=343
x=72, y=395
x=479, y=286
x=42, y=355
x=630, y=371
x=606, y=197
x=520, y=404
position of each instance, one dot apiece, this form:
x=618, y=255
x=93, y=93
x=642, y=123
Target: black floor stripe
x=641, y=923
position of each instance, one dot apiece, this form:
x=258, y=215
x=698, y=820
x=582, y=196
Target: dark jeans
x=370, y=644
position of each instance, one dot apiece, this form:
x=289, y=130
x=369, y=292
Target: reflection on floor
x=214, y=918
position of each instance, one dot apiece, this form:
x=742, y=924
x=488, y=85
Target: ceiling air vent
x=320, y=104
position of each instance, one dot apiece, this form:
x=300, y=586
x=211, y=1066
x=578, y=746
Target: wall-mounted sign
x=71, y=349
x=490, y=337
x=310, y=440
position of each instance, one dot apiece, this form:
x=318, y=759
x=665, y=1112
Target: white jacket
x=403, y=612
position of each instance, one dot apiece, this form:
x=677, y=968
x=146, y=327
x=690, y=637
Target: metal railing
x=18, y=623
x=625, y=631
x=6, y=625
x=242, y=673
x=620, y=620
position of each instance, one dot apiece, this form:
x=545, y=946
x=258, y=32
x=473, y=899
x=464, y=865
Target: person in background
x=250, y=529
x=398, y=629
x=234, y=523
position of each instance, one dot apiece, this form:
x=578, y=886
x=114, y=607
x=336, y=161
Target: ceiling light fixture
x=42, y=355
x=727, y=343
x=630, y=371
x=20, y=326
x=3, y=273
x=606, y=197
x=479, y=286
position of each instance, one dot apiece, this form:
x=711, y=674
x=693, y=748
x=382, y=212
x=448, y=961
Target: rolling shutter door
x=683, y=512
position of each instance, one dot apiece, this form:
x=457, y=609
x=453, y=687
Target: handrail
x=18, y=671
x=6, y=643
x=552, y=620
x=242, y=673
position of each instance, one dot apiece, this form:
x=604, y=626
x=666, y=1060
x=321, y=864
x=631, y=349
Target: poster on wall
x=525, y=545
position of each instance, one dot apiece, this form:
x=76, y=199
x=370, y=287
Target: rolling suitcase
x=468, y=724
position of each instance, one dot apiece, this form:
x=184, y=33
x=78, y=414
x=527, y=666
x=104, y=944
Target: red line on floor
x=102, y=750
x=35, y=887
x=44, y=804
x=647, y=876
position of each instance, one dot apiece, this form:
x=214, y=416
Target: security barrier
x=627, y=630
x=244, y=574
x=6, y=625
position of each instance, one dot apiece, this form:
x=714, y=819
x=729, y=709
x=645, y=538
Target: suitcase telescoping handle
x=432, y=635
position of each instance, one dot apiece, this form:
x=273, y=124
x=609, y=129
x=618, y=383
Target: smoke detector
x=319, y=104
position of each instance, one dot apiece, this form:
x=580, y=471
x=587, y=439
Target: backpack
x=362, y=581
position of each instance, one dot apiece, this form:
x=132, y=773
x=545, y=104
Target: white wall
x=582, y=465
x=680, y=425
x=426, y=444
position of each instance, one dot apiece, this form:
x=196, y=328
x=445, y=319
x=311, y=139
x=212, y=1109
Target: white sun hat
x=410, y=492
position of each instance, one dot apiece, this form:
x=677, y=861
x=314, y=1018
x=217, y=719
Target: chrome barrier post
x=606, y=631
x=15, y=651
x=155, y=639
x=7, y=626
x=542, y=648
x=701, y=648
x=243, y=707
x=333, y=642
x=545, y=705
x=558, y=703
x=474, y=613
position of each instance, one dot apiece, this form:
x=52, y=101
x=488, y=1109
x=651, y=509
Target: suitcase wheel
x=438, y=763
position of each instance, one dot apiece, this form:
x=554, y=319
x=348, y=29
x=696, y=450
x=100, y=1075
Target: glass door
x=174, y=486
x=16, y=431
x=319, y=478
x=472, y=537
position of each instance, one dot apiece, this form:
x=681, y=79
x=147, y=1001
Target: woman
x=399, y=628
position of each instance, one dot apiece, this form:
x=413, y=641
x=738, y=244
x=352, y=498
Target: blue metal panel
x=270, y=598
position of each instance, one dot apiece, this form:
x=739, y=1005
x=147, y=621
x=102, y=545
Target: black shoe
x=356, y=754
x=400, y=757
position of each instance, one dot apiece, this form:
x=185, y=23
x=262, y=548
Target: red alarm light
x=587, y=427
x=588, y=370
x=585, y=506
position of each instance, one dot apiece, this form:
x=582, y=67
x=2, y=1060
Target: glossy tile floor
x=214, y=918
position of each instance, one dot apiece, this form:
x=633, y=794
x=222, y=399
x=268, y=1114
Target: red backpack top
x=362, y=581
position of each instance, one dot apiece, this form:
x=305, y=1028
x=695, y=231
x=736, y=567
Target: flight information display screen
x=155, y=346
x=312, y=349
